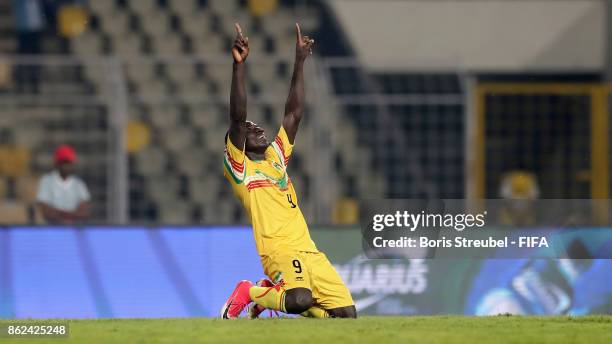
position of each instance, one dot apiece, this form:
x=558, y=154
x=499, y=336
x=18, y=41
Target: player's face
x=256, y=139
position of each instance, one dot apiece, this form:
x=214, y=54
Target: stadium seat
x=165, y=115
x=26, y=188
x=155, y=89
x=42, y=161
x=163, y=188
x=29, y=135
x=13, y=213
x=206, y=116
x=204, y=190
x=261, y=7
x=140, y=72
x=181, y=72
x=197, y=25
x=183, y=7
x=194, y=90
x=177, y=139
x=14, y=161
x=209, y=46
x=151, y=161
x=168, y=44
x=101, y=8
x=3, y=188
x=224, y=7
x=5, y=74
x=130, y=44
x=221, y=73
x=72, y=20
x=116, y=23
x=279, y=23
x=264, y=73
x=191, y=162
x=227, y=21
x=175, y=212
x=346, y=211
x=144, y=7
x=214, y=141
x=138, y=136
x=155, y=22
x=219, y=212
x=87, y=43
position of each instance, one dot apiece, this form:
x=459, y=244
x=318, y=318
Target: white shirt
x=63, y=194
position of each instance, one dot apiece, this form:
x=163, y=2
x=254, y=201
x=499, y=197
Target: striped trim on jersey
x=257, y=181
x=235, y=169
x=260, y=184
x=278, y=147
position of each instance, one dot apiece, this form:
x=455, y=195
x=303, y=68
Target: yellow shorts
x=310, y=270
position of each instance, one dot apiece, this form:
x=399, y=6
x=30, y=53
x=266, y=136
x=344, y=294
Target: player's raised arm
x=238, y=97
x=294, y=108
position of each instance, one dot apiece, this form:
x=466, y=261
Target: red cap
x=65, y=153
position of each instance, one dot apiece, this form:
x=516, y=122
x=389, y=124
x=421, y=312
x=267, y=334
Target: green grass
x=378, y=330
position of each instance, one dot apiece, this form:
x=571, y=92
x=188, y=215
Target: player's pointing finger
x=238, y=29
x=298, y=31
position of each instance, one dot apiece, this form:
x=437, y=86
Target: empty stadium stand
x=176, y=69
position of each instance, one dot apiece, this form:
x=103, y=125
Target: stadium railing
x=564, y=125
x=366, y=134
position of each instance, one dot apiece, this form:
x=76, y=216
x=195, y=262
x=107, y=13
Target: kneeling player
x=303, y=280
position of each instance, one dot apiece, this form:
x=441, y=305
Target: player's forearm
x=238, y=97
x=297, y=94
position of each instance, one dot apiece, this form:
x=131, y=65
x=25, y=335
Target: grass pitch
x=434, y=329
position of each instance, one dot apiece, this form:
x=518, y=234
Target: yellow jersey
x=268, y=196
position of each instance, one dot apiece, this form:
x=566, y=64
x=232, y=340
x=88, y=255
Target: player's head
x=256, y=140
x=65, y=157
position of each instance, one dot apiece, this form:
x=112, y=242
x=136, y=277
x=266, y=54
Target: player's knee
x=343, y=312
x=298, y=300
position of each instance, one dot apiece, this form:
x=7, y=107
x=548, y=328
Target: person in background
x=519, y=189
x=62, y=197
x=30, y=24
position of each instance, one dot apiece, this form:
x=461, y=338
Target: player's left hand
x=303, y=46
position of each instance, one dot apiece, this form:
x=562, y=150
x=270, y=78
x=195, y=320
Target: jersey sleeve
x=282, y=146
x=234, y=161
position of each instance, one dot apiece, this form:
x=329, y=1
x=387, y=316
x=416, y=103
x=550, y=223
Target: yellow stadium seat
x=14, y=161
x=5, y=73
x=3, y=188
x=13, y=213
x=346, y=212
x=138, y=136
x=26, y=189
x=72, y=20
x=261, y=7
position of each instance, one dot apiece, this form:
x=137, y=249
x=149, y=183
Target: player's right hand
x=240, y=50
x=304, y=44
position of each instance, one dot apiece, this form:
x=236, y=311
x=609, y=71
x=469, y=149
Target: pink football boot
x=239, y=299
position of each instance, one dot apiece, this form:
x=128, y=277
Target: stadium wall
x=476, y=35
x=106, y=272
